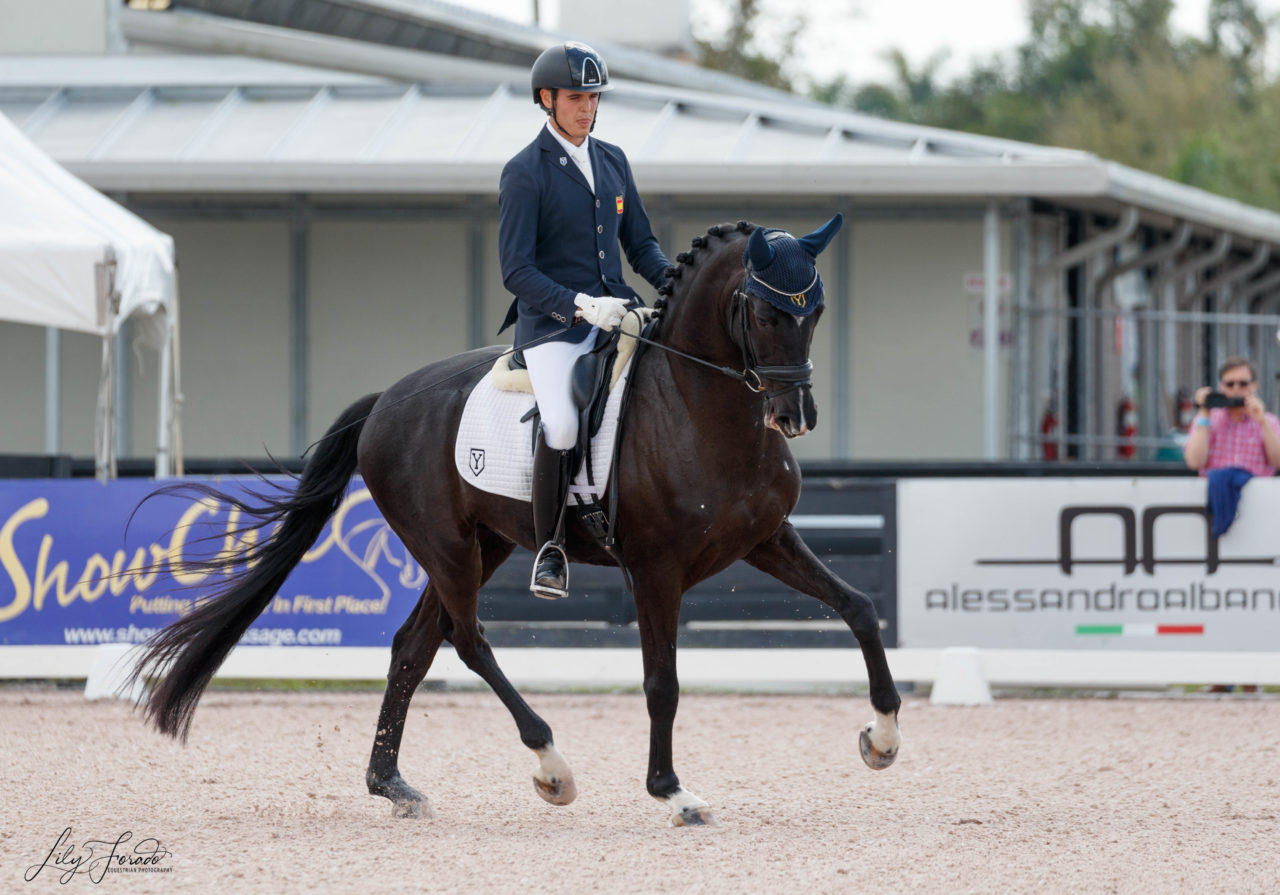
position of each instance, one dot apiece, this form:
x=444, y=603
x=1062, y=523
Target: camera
x=1218, y=399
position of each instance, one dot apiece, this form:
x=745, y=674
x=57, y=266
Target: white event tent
x=71, y=258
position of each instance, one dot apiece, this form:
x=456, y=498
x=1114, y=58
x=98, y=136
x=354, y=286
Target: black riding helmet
x=569, y=66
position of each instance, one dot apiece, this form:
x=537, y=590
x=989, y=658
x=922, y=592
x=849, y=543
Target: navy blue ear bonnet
x=781, y=268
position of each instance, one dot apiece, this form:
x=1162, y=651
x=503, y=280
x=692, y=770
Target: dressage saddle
x=589, y=386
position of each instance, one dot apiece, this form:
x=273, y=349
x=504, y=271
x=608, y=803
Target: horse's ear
x=816, y=241
x=759, y=252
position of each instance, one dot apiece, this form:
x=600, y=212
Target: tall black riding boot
x=550, y=579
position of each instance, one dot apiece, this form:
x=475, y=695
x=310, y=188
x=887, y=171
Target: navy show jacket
x=557, y=239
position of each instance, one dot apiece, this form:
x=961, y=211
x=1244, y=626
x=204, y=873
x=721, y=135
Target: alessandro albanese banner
x=1086, y=563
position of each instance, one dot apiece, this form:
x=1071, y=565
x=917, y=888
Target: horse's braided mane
x=675, y=287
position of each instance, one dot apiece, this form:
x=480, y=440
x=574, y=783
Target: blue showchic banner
x=75, y=569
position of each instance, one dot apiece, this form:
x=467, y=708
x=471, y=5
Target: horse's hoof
x=554, y=780
x=694, y=817
x=405, y=800
x=407, y=808
x=874, y=758
x=556, y=790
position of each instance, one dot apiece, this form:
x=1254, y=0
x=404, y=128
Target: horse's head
x=773, y=317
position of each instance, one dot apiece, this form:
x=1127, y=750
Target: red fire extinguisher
x=1126, y=428
x=1049, y=430
x=1186, y=410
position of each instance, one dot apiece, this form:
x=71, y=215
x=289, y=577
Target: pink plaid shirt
x=1237, y=444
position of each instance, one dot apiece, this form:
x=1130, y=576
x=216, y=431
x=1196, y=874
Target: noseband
x=786, y=377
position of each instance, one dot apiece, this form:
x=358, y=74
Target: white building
x=329, y=172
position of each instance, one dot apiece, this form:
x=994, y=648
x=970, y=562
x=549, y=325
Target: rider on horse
x=566, y=204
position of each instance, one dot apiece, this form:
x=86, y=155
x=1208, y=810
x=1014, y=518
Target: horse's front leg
x=553, y=780
x=786, y=557
x=658, y=615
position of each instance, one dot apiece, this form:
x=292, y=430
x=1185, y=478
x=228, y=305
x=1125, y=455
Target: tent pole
x=122, y=400
x=104, y=450
x=991, y=332
x=52, y=390
x=175, y=405
x=104, y=429
x=164, y=414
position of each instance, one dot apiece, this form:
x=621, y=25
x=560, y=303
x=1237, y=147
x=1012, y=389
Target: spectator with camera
x=1232, y=429
x=1232, y=439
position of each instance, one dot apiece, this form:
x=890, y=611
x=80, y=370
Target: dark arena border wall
x=847, y=514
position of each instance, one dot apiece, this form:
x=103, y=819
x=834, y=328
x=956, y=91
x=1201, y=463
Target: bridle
x=791, y=376
x=753, y=374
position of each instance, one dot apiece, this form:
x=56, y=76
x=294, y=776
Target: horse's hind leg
x=447, y=611
x=412, y=651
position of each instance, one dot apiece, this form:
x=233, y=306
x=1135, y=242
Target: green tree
x=1105, y=76
x=738, y=51
x=1147, y=113
x=1237, y=30
x=1238, y=33
x=1110, y=77
x=1200, y=113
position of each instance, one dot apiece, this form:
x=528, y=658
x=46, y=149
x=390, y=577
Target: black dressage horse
x=705, y=478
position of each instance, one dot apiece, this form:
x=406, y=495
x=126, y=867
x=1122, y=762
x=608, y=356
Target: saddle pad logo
x=618, y=201
x=476, y=463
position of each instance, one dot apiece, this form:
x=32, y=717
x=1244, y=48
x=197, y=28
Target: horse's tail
x=188, y=652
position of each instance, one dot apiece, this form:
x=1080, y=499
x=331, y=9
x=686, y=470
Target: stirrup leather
x=550, y=589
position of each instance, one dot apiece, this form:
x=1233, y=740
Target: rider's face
x=573, y=113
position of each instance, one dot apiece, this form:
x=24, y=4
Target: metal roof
x=184, y=123
x=226, y=124
x=397, y=118
x=417, y=26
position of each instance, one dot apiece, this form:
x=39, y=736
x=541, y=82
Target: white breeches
x=550, y=366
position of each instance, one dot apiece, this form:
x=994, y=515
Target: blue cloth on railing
x=1224, y=496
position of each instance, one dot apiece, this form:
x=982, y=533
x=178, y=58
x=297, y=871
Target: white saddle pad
x=494, y=450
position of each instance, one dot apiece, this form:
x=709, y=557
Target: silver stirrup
x=541, y=591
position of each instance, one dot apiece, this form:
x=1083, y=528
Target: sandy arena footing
x=1029, y=795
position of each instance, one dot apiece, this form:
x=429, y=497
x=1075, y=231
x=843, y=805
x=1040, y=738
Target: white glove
x=605, y=312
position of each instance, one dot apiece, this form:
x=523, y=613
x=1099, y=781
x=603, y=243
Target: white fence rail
x=734, y=669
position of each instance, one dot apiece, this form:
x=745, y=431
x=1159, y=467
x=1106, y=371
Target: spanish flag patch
x=619, y=202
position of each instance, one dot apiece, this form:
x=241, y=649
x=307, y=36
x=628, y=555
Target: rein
x=753, y=373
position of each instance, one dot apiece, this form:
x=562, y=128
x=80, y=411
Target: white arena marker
x=960, y=680
x=838, y=521
x=108, y=678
